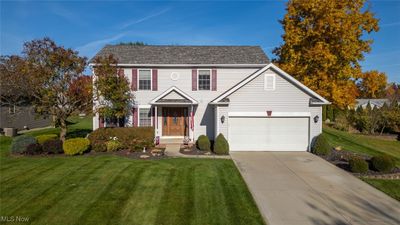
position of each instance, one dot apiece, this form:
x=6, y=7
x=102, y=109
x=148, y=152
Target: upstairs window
x=269, y=82
x=144, y=117
x=144, y=79
x=204, y=80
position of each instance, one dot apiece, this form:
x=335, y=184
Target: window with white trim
x=144, y=117
x=144, y=79
x=204, y=80
x=269, y=82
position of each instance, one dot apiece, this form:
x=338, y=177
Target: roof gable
x=173, y=96
x=316, y=99
x=178, y=55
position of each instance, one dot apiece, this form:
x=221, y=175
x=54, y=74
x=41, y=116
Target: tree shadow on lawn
x=78, y=133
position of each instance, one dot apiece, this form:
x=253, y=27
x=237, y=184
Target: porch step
x=171, y=141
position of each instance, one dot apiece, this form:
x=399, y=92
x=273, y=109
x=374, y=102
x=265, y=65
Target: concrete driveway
x=298, y=188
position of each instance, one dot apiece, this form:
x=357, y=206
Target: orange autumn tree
x=323, y=44
x=373, y=84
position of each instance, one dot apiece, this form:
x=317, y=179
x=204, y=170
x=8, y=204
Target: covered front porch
x=174, y=117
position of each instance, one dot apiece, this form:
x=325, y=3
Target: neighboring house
x=234, y=90
x=21, y=117
x=378, y=103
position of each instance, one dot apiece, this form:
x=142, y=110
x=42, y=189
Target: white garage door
x=268, y=134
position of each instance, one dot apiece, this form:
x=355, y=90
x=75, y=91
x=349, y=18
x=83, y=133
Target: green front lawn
x=110, y=189
x=390, y=187
x=362, y=144
x=116, y=190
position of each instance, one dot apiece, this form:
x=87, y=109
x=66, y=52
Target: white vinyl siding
x=204, y=113
x=144, y=79
x=222, y=127
x=286, y=98
x=204, y=80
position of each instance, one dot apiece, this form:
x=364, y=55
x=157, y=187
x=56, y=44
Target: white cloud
x=390, y=24
x=92, y=47
x=136, y=21
x=66, y=14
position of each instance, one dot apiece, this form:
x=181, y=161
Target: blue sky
x=87, y=26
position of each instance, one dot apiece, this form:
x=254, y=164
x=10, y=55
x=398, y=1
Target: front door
x=175, y=121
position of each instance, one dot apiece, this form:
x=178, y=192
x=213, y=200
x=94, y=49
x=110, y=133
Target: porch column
x=156, y=121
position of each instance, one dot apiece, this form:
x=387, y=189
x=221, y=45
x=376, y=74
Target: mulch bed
x=193, y=150
x=340, y=159
x=156, y=153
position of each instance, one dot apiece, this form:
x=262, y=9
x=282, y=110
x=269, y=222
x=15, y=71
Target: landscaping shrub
x=113, y=146
x=221, y=145
x=358, y=165
x=46, y=137
x=321, y=146
x=99, y=146
x=19, y=144
x=203, y=143
x=132, y=138
x=383, y=163
x=75, y=146
x=33, y=149
x=53, y=146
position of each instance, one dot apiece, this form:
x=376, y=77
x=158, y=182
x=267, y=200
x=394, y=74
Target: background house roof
x=373, y=102
x=166, y=54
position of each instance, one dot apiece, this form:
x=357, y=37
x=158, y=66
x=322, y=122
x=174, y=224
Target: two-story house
x=187, y=91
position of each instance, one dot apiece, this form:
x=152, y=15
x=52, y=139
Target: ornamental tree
x=54, y=74
x=82, y=88
x=373, y=84
x=14, y=90
x=112, y=94
x=323, y=44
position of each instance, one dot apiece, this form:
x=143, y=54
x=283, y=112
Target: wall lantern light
x=316, y=118
x=222, y=119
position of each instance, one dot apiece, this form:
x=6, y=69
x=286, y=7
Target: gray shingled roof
x=373, y=102
x=165, y=54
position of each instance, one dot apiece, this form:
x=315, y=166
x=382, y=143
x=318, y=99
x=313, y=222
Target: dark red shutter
x=214, y=79
x=194, y=79
x=101, y=122
x=135, y=117
x=134, y=79
x=155, y=79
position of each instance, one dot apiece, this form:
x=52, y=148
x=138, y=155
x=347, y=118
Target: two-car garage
x=263, y=133
x=269, y=111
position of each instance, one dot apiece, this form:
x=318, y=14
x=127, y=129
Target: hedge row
x=30, y=145
x=103, y=139
x=132, y=138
